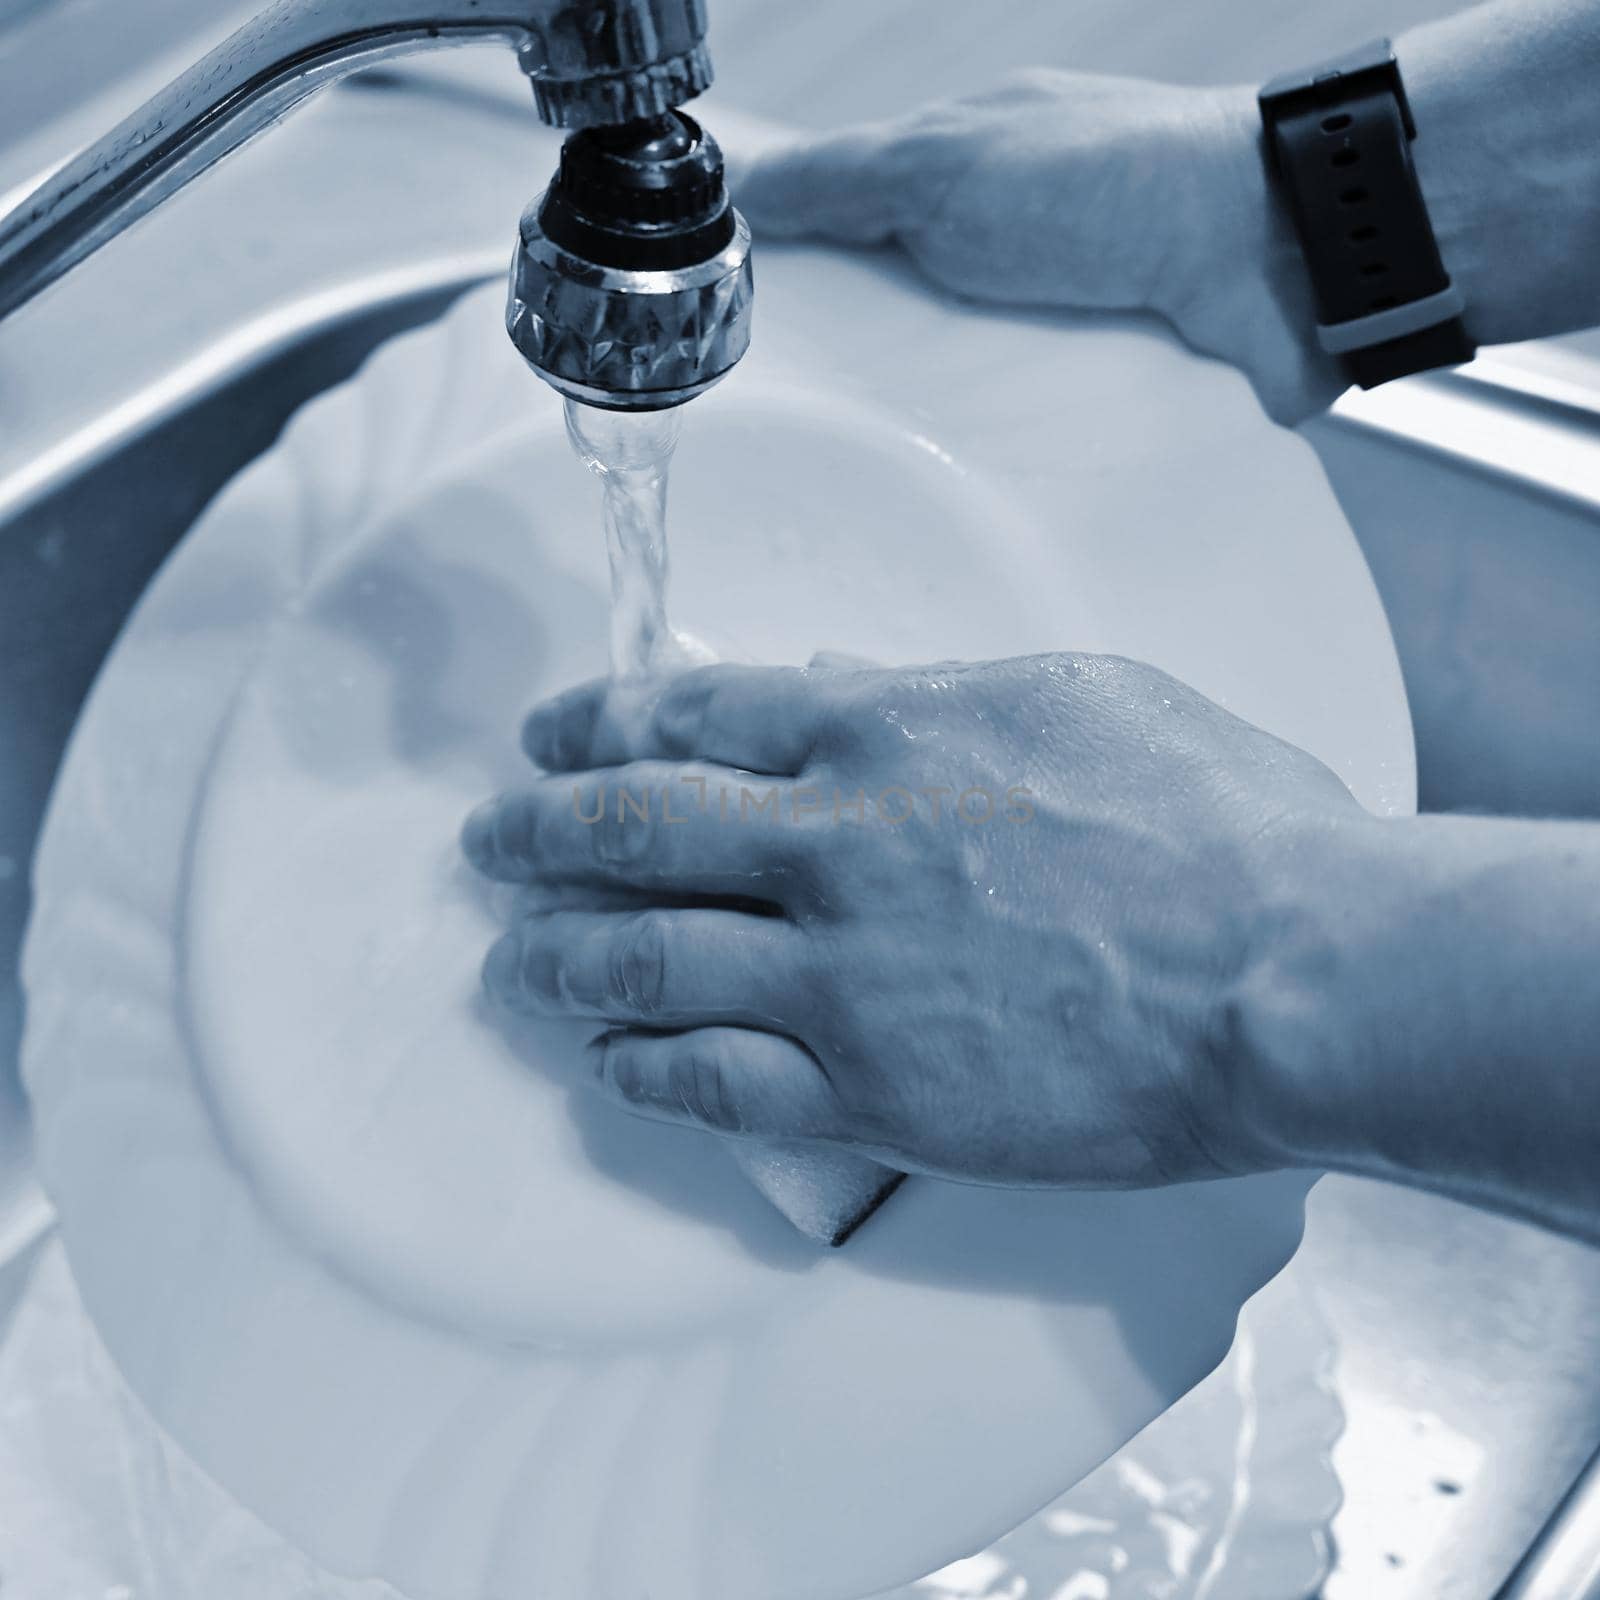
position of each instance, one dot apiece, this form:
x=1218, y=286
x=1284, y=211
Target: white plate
x=1226, y=1496
x=520, y=1344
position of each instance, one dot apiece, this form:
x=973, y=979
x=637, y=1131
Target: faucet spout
x=591, y=62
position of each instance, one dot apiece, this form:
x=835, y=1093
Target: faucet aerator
x=631, y=286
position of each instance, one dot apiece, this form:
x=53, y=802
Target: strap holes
x=1374, y=269
x=1363, y=235
x=1352, y=197
x=1345, y=157
x=1336, y=122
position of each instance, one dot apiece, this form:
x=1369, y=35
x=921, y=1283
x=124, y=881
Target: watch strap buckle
x=1380, y=327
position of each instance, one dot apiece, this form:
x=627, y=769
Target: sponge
x=826, y=1193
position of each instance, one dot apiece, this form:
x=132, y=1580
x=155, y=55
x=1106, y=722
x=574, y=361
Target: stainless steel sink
x=1467, y=1369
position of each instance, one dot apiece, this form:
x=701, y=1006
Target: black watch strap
x=1338, y=139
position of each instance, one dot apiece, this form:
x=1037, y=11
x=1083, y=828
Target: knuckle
x=637, y=979
x=623, y=835
x=572, y=731
x=842, y=722
x=538, y=971
x=511, y=832
x=521, y=972
x=698, y=1082
x=621, y=1071
x=682, y=709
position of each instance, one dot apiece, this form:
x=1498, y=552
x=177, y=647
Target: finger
x=730, y=1080
x=561, y=734
x=860, y=185
x=686, y=829
x=760, y=719
x=659, y=969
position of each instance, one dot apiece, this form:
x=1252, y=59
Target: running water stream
x=631, y=453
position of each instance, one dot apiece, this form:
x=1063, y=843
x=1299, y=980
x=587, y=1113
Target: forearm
x=1430, y=1012
x=1508, y=157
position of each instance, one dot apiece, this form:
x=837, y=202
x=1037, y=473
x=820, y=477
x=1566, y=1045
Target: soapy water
x=631, y=453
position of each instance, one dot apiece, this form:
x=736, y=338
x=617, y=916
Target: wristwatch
x=1338, y=143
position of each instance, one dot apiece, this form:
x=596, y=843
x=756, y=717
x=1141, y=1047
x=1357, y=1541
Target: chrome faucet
x=669, y=331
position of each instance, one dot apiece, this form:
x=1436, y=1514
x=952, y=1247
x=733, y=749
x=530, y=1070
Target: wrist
x=1424, y=1011
x=1236, y=286
x=1296, y=1027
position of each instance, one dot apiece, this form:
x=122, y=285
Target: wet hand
x=989, y=921
x=1070, y=190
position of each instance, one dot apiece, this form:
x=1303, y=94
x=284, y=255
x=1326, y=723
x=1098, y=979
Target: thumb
x=728, y=1080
